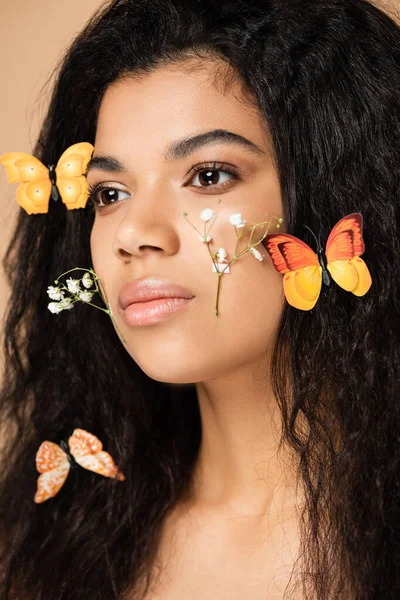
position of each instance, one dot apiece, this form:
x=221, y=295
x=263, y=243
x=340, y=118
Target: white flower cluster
x=55, y=293
x=236, y=220
x=257, y=254
x=74, y=288
x=221, y=254
x=205, y=238
x=207, y=214
x=223, y=265
x=57, y=307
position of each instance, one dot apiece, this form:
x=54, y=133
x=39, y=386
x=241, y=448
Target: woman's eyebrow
x=105, y=163
x=182, y=148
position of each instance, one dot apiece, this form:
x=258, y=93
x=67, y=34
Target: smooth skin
x=237, y=538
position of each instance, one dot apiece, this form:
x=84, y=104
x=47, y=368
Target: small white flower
x=66, y=304
x=257, y=254
x=73, y=285
x=54, y=307
x=55, y=293
x=205, y=238
x=236, y=220
x=87, y=280
x=221, y=254
x=85, y=296
x=207, y=214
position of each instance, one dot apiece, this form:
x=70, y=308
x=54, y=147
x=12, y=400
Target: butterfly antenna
x=315, y=237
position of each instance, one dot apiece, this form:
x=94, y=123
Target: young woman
x=252, y=428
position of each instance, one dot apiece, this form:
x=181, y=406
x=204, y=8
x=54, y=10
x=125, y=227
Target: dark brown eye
x=108, y=196
x=102, y=196
x=212, y=176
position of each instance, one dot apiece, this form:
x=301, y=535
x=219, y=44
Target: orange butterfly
x=54, y=464
x=305, y=270
x=38, y=182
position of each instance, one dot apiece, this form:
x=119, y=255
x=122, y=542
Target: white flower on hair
x=87, y=280
x=205, y=238
x=54, y=307
x=207, y=214
x=66, y=304
x=55, y=293
x=236, y=220
x=257, y=254
x=85, y=296
x=73, y=286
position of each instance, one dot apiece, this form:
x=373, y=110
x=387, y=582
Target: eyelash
x=214, y=166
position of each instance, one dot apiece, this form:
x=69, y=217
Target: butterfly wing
x=364, y=277
x=88, y=452
x=53, y=464
x=70, y=172
x=288, y=253
x=34, y=192
x=303, y=287
x=343, y=250
x=24, y=167
x=292, y=257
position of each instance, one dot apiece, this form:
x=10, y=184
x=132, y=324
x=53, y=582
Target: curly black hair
x=324, y=75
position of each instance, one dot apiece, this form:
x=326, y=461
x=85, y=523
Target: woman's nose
x=148, y=224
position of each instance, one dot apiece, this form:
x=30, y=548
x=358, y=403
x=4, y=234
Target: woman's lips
x=153, y=311
x=150, y=288
x=149, y=299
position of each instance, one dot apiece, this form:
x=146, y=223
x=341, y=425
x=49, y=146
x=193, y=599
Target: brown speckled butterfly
x=54, y=464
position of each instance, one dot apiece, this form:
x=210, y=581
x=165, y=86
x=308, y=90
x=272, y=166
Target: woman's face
x=142, y=232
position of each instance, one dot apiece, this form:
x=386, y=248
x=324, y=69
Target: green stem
x=109, y=311
x=218, y=288
x=95, y=306
x=194, y=227
x=70, y=270
x=215, y=218
x=211, y=254
x=120, y=332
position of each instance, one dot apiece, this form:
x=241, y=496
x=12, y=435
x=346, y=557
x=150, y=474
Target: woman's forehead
x=169, y=104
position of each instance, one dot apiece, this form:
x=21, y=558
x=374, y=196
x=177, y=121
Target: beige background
x=33, y=36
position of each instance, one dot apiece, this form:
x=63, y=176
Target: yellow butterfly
x=39, y=183
x=305, y=270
